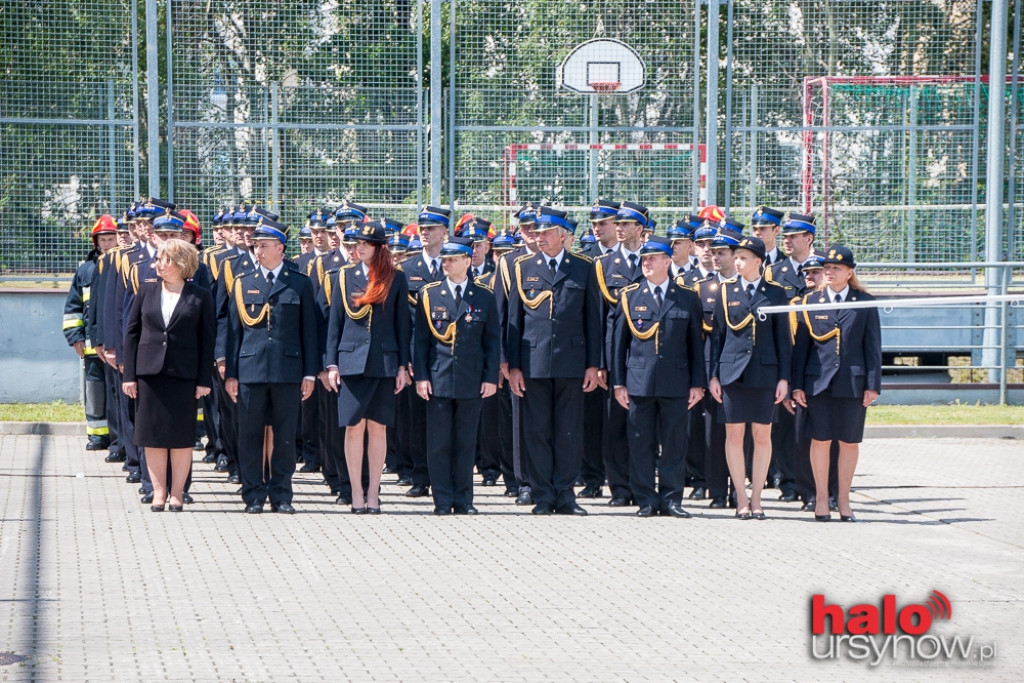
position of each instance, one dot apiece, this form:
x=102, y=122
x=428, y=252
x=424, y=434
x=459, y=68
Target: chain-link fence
x=870, y=114
x=67, y=127
x=507, y=104
x=297, y=105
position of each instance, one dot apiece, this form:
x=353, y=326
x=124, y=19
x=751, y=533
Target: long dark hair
x=382, y=274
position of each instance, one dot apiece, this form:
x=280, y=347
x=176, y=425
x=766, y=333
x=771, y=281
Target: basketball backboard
x=602, y=65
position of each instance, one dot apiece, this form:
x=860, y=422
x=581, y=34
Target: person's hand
x=781, y=391
x=790, y=405
x=220, y=368
x=333, y=379
x=504, y=370
x=800, y=397
x=231, y=386
x=402, y=380
x=110, y=357
x=602, y=378
x=590, y=379
x=79, y=347
x=622, y=396
x=424, y=389
x=715, y=387
x=202, y=391
x=488, y=389
x=308, y=384
x=411, y=373
x=130, y=389
x=516, y=382
x=869, y=397
x=696, y=395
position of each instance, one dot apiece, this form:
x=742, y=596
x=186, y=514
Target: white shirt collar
x=744, y=281
x=558, y=258
x=772, y=255
x=663, y=287
x=276, y=271
x=451, y=286
x=626, y=253
x=845, y=293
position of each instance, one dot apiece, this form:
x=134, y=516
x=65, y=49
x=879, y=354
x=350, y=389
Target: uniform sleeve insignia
x=821, y=317
x=533, y=279
x=640, y=309
x=252, y=291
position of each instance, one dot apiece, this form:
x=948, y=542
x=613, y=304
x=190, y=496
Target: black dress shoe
x=309, y=467
x=142, y=489
x=238, y=491
x=254, y=509
x=590, y=492
x=542, y=509
x=490, y=481
x=744, y=515
x=222, y=464
x=717, y=503
x=198, y=446
x=342, y=499
x=579, y=482
x=186, y=498
x=789, y=497
x=525, y=497
x=158, y=508
x=283, y=508
x=808, y=506
x=699, y=493
x=404, y=481
x=210, y=457
x=832, y=504
x=442, y=511
x=114, y=457
x=570, y=509
x=773, y=483
x=359, y=511
x=124, y=465
x=674, y=510
x=133, y=477
x=619, y=502
x=147, y=498
x=511, y=493
x=465, y=510
x=234, y=479
x=847, y=518
x=176, y=508
x=97, y=445
x=372, y=511
x=645, y=511
x=418, y=491
x=822, y=518
x=388, y=470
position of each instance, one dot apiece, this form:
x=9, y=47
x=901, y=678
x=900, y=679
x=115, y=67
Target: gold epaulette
x=601, y=284
x=247, y=316
x=483, y=281
x=793, y=322
x=135, y=278
x=646, y=334
x=363, y=311
x=681, y=282
x=449, y=332
x=821, y=338
x=582, y=257
x=743, y=324
x=533, y=304
x=229, y=275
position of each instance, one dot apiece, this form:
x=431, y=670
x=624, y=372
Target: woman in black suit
x=837, y=374
x=368, y=353
x=750, y=368
x=168, y=354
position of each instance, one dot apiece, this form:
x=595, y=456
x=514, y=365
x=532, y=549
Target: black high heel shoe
x=740, y=514
x=823, y=518
x=359, y=511
x=847, y=518
x=158, y=508
x=373, y=511
x=176, y=508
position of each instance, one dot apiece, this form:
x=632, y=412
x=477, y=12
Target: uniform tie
x=270, y=278
x=458, y=296
x=658, y=299
x=553, y=265
x=433, y=268
x=632, y=262
x=750, y=291
x=839, y=298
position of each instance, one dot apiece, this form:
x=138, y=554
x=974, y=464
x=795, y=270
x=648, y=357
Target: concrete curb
x=870, y=432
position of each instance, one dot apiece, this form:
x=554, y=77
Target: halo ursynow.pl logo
x=872, y=633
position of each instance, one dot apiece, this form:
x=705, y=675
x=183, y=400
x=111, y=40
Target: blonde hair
x=182, y=254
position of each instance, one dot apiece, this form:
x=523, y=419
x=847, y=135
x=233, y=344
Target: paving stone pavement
x=93, y=586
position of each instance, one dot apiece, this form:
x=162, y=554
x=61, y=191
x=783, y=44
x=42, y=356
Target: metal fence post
x=594, y=139
x=152, y=95
x=170, y=104
x=112, y=148
x=436, y=93
x=912, y=177
x=711, y=133
x=275, y=148
x=994, y=178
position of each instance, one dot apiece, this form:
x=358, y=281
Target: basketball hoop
x=602, y=66
x=605, y=87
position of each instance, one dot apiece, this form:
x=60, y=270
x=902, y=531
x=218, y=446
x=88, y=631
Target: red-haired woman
x=368, y=353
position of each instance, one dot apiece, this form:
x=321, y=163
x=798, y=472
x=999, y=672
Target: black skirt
x=831, y=418
x=747, y=404
x=165, y=413
x=366, y=398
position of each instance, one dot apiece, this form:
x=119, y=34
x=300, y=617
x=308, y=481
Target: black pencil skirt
x=366, y=398
x=747, y=404
x=836, y=418
x=165, y=412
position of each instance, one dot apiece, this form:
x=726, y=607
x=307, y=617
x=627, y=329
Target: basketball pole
x=594, y=114
x=994, y=180
x=712, y=109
